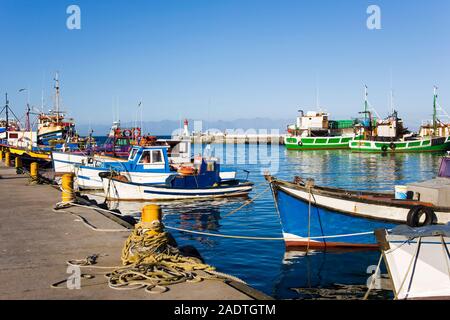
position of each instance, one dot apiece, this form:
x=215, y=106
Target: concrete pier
x=238, y=139
x=36, y=242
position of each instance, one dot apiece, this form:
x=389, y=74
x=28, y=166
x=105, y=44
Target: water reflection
x=327, y=275
x=192, y=215
x=344, y=169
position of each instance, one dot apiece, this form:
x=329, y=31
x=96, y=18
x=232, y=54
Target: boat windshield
x=444, y=170
x=132, y=154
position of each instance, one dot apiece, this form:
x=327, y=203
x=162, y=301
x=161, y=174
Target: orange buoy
x=186, y=171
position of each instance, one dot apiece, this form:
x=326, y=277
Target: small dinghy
x=203, y=181
x=418, y=261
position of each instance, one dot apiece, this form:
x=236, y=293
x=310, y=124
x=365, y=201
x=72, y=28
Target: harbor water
x=264, y=264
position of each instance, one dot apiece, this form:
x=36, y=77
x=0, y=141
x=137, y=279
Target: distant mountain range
x=166, y=127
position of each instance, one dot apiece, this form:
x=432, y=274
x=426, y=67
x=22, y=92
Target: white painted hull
x=128, y=191
x=65, y=162
x=227, y=175
x=362, y=209
x=430, y=277
x=88, y=178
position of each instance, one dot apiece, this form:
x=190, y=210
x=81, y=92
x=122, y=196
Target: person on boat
x=146, y=158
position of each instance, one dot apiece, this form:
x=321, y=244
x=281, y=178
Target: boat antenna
x=392, y=94
x=142, y=107
x=42, y=100
x=435, y=96
x=392, y=101
x=317, y=92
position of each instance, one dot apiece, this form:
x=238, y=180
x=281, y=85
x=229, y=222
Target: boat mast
x=366, y=103
x=434, y=111
x=27, y=112
x=7, y=111
x=57, y=96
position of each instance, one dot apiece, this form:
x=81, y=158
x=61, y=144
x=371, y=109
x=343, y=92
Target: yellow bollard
x=18, y=164
x=34, y=171
x=68, y=194
x=7, y=159
x=151, y=216
x=1, y=155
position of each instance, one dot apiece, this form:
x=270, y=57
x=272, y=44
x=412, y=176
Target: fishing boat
x=324, y=217
x=18, y=141
x=417, y=260
x=314, y=131
x=146, y=164
x=116, y=148
x=201, y=181
x=54, y=128
x=54, y=131
x=120, y=141
x=390, y=136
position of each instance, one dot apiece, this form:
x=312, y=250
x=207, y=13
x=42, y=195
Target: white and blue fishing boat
x=323, y=217
x=201, y=181
x=147, y=165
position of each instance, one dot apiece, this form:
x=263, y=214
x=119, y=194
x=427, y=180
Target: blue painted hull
x=317, y=227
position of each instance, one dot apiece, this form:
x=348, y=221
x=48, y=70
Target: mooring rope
x=248, y=202
x=413, y=259
x=225, y=235
x=377, y=271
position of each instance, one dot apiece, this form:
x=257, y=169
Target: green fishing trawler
x=314, y=131
x=390, y=136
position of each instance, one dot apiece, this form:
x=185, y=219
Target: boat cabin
x=317, y=124
x=151, y=158
x=435, y=191
x=206, y=175
x=444, y=169
x=313, y=120
x=179, y=151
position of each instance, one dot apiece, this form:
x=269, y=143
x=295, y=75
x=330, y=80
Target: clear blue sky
x=226, y=59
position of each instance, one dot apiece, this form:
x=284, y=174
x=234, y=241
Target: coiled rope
x=151, y=262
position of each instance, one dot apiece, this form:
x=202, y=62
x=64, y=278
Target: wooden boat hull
x=129, y=191
x=316, y=218
x=31, y=154
x=439, y=144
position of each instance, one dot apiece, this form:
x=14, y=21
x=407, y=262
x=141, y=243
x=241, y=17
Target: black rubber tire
x=392, y=146
x=384, y=148
x=414, y=215
x=300, y=143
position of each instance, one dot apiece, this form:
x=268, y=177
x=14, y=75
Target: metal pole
x=7, y=114
x=434, y=111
